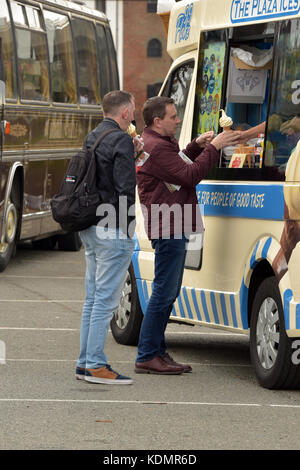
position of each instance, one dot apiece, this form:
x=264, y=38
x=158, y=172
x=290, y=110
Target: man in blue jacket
x=108, y=243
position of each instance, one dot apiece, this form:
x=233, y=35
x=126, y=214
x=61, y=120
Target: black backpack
x=74, y=208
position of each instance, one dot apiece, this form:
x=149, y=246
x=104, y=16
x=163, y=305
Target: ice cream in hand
x=225, y=121
x=140, y=157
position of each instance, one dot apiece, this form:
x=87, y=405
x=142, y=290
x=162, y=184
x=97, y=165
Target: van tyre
x=126, y=322
x=273, y=356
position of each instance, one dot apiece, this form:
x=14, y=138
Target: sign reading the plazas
x=252, y=10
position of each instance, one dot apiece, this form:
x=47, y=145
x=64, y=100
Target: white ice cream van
x=241, y=56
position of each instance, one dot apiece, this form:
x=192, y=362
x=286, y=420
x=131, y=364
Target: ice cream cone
x=225, y=121
x=131, y=130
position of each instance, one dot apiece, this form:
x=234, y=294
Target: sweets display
x=225, y=121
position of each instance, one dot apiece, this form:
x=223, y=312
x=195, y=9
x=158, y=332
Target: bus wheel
x=126, y=322
x=69, y=242
x=8, y=246
x=272, y=353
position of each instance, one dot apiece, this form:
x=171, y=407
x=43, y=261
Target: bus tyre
x=69, y=242
x=11, y=220
x=126, y=322
x=272, y=352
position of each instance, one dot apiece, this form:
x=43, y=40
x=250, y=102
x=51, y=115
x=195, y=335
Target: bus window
x=177, y=87
x=113, y=61
x=104, y=60
x=87, y=62
x=31, y=52
x=284, y=116
x=209, y=82
x=7, y=64
x=61, y=57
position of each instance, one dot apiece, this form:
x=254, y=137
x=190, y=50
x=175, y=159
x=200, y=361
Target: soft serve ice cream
x=225, y=121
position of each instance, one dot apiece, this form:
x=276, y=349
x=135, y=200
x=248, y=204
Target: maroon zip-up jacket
x=168, y=213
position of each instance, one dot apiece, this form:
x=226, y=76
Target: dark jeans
x=169, y=265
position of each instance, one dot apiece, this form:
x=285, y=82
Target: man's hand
x=138, y=144
x=225, y=139
x=205, y=138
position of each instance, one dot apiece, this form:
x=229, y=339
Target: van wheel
x=126, y=322
x=69, y=242
x=272, y=352
x=11, y=220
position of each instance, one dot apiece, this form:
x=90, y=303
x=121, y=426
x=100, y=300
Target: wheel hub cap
x=267, y=333
x=122, y=314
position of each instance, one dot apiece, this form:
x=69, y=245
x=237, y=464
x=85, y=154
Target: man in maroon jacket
x=169, y=232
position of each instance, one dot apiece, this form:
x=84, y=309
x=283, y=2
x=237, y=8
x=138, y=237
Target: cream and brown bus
x=57, y=60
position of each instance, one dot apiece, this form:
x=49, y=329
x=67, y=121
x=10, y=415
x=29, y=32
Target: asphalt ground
x=42, y=407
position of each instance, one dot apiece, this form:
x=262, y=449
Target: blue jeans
x=107, y=261
x=169, y=265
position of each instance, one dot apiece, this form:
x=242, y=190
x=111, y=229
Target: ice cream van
x=242, y=57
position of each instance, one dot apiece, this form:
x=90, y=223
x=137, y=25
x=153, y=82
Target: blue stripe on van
x=205, y=307
x=287, y=297
x=224, y=311
x=187, y=303
x=195, y=301
x=266, y=247
x=253, y=256
x=298, y=317
x=233, y=312
x=244, y=305
x=214, y=308
x=181, y=309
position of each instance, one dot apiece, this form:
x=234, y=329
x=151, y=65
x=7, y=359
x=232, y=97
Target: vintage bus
x=242, y=56
x=57, y=60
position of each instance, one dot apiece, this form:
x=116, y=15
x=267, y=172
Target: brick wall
x=139, y=71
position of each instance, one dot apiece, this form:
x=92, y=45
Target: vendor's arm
x=252, y=132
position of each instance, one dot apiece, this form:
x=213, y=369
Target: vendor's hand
x=291, y=126
x=244, y=137
x=225, y=139
x=205, y=138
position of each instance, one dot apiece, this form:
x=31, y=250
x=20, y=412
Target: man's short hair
x=116, y=99
x=155, y=107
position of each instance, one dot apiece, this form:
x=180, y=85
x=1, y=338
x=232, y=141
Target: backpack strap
x=101, y=137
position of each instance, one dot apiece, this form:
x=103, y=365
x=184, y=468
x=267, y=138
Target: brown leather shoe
x=169, y=360
x=157, y=366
